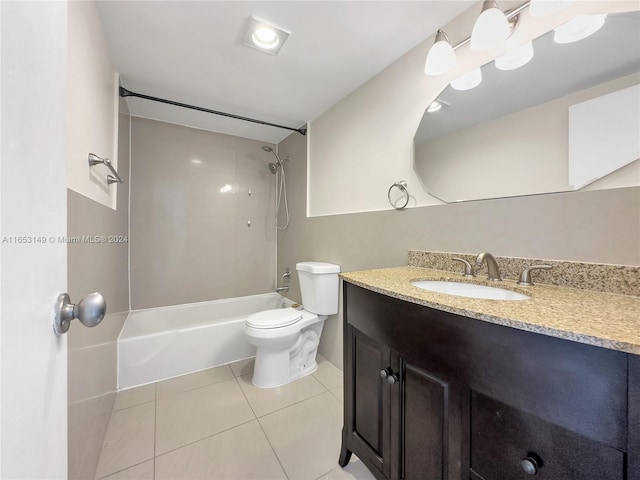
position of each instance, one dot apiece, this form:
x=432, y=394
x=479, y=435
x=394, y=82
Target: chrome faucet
x=286, y=279
x=492, y=265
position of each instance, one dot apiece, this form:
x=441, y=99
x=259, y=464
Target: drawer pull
x=529, y=465
x=389, y=375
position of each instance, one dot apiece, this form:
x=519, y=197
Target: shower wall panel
x=202, y=215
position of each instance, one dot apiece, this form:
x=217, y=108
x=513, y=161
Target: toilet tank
x=319, y=286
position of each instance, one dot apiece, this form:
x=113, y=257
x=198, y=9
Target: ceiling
x=192, y=52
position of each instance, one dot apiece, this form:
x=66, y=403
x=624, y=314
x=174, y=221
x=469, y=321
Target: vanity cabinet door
x=367, y=399
x=419, y=417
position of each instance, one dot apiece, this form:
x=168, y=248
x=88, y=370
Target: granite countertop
x=601, y=319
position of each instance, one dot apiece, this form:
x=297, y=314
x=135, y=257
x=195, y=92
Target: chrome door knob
x=90, y=311
x=529, y=465
x=392, y=379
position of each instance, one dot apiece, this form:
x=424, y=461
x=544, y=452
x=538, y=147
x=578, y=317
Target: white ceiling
x=192, y=52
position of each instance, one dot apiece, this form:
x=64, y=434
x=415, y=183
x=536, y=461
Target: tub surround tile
x=191, y=381
x=327, y=373
x=129, y=439
x=594, y=318
x=196, y=414
x=619, y=279
x=142, y=471
x=266, y=400
x=308, y=452
x=242, y=452
x=135, y=396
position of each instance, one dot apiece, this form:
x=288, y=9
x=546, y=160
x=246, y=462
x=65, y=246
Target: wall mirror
x=568, y=119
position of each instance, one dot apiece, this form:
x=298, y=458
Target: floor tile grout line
x=295, y=403
x=273, y=450
x=193, y=389
x=205, y=438
x=126, y=468
x=132, y=406
x=261, y=428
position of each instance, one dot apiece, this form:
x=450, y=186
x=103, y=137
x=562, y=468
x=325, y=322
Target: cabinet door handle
x=529, y=465
x=389, y=375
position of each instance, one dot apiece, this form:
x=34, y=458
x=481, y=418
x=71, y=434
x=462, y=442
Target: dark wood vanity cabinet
x=435, y=396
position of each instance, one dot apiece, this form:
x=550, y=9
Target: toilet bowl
x=287, y=339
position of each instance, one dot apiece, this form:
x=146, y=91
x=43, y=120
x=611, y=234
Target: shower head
x=273, y=167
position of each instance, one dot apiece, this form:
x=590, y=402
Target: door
x=33, y=419
x=367, y=399
x=420, y=418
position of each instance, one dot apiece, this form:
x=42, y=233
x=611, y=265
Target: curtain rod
x=128, y=93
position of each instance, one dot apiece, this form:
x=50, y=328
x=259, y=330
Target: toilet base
x=274, y=368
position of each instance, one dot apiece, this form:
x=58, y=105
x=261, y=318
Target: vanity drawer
x=502, y=437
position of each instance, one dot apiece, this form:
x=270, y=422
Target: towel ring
x=402, y=186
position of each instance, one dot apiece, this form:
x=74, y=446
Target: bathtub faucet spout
x=286, y=279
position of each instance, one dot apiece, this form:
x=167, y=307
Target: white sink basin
x=470, y=290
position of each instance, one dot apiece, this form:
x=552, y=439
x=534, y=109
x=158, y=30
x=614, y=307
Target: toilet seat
x=279, y=317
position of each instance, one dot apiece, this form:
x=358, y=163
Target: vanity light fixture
x=491, y=27
x=515, y=58
x=265, y=37
x=441, y=57
x=544, y=8
x=468, y=81
x=579, y=28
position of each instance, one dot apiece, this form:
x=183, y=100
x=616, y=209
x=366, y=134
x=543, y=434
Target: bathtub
x=160, y=343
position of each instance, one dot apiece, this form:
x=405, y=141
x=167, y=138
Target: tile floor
x=215, y=424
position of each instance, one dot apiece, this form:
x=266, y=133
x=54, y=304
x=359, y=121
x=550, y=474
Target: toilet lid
x=280, y=317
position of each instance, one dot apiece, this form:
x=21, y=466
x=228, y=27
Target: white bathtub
x=160, y=343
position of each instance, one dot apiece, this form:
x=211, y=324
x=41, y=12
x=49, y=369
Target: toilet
x=287, y=338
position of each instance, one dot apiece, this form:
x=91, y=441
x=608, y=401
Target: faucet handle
x=525, y=276
x=468, y=268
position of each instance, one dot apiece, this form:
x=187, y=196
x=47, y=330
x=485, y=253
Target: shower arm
x=128, y=93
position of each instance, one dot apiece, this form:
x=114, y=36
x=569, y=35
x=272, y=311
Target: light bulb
x=580, y=27
x=468, y=81
x=265, y=37
x=441, y=57
x=491, y=27
x=515, y=58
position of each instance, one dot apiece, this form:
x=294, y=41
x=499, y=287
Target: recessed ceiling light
x=265, y=37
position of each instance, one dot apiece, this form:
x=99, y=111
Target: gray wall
x=92, y=354
x=190, y=242
x=595, y=226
